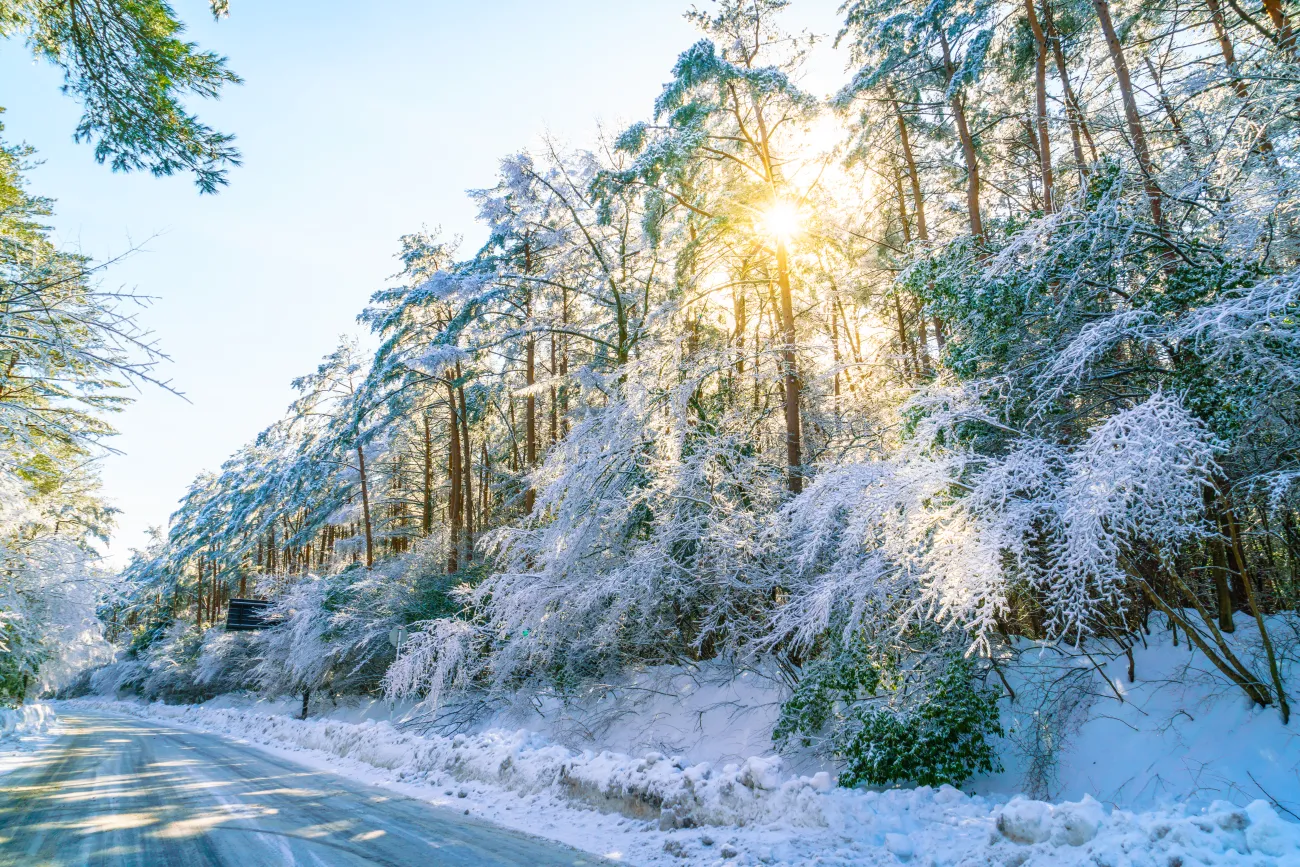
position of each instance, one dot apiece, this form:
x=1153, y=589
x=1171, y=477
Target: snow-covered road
x=122, y=791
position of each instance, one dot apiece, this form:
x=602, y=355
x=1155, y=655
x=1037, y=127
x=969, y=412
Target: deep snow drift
x=674, y=767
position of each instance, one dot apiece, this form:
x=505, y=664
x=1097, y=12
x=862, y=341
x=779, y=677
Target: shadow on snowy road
x=119, y=791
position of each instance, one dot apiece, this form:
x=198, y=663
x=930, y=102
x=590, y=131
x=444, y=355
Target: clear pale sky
x=359, y=122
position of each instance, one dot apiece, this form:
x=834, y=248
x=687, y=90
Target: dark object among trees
x=247, y=614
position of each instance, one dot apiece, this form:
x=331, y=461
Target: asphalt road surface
x=122, y=792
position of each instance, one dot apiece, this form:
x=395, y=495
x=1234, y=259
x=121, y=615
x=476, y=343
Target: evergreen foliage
x=919, y=718
x=943, y=739
x=127, y=62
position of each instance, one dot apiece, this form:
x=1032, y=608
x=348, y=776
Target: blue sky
x=358, y=123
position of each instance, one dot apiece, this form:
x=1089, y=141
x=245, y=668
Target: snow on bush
x=952, y=531
x=114, y=678
x=1164, y=728
x=767, y=816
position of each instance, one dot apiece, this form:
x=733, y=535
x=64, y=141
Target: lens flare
x=781, y=220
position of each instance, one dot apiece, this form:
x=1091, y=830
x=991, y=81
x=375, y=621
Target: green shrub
x=850, y=703
x=21, y=655
x=943, y=739
x=827, y=686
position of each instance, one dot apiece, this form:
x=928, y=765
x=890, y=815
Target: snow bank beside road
x=667, y=790
x=655, y=810
x=36, y=718
x=23, y=730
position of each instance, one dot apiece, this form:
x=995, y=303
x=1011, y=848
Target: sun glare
x=782, y=220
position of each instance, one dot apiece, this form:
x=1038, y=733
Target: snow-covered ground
x=1177, y=734
x=677, y=768
x=626, y=808
x=23, y=730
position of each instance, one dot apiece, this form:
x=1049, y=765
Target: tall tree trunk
x=485, y=470
x=908, y=347
x=793, y=450
x=1264, y=146
x=835, y=347
x=530, y=402
x=1134, y=119
x=914, y=175
x=967, y=145
x=1236, y=549
x=850, y=334
x=555, y=415
x=467, y=467
x=789, y=355
x=564, y=363
x=530, y=421
x=918, y=207
x=1073, y=111
x=1225, y=47
x=1219, y=568
x=756, y=367
x=455, y=502
x=923, y=339
x=903, y=342
x=903, y=223
x=198, y=597
x=1040, y=104
x=741, y=317
x=426, y=517
x=365, y=507
x=1285, y=35
x=515, y=464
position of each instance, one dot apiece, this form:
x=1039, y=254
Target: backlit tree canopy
x=998, y=342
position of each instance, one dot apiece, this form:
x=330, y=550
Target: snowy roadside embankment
x=660, y=810
x=36, y=718
x=23, y=730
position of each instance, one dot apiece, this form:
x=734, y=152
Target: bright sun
x=781, y=220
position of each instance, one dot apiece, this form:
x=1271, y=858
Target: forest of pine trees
x=997, y=344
